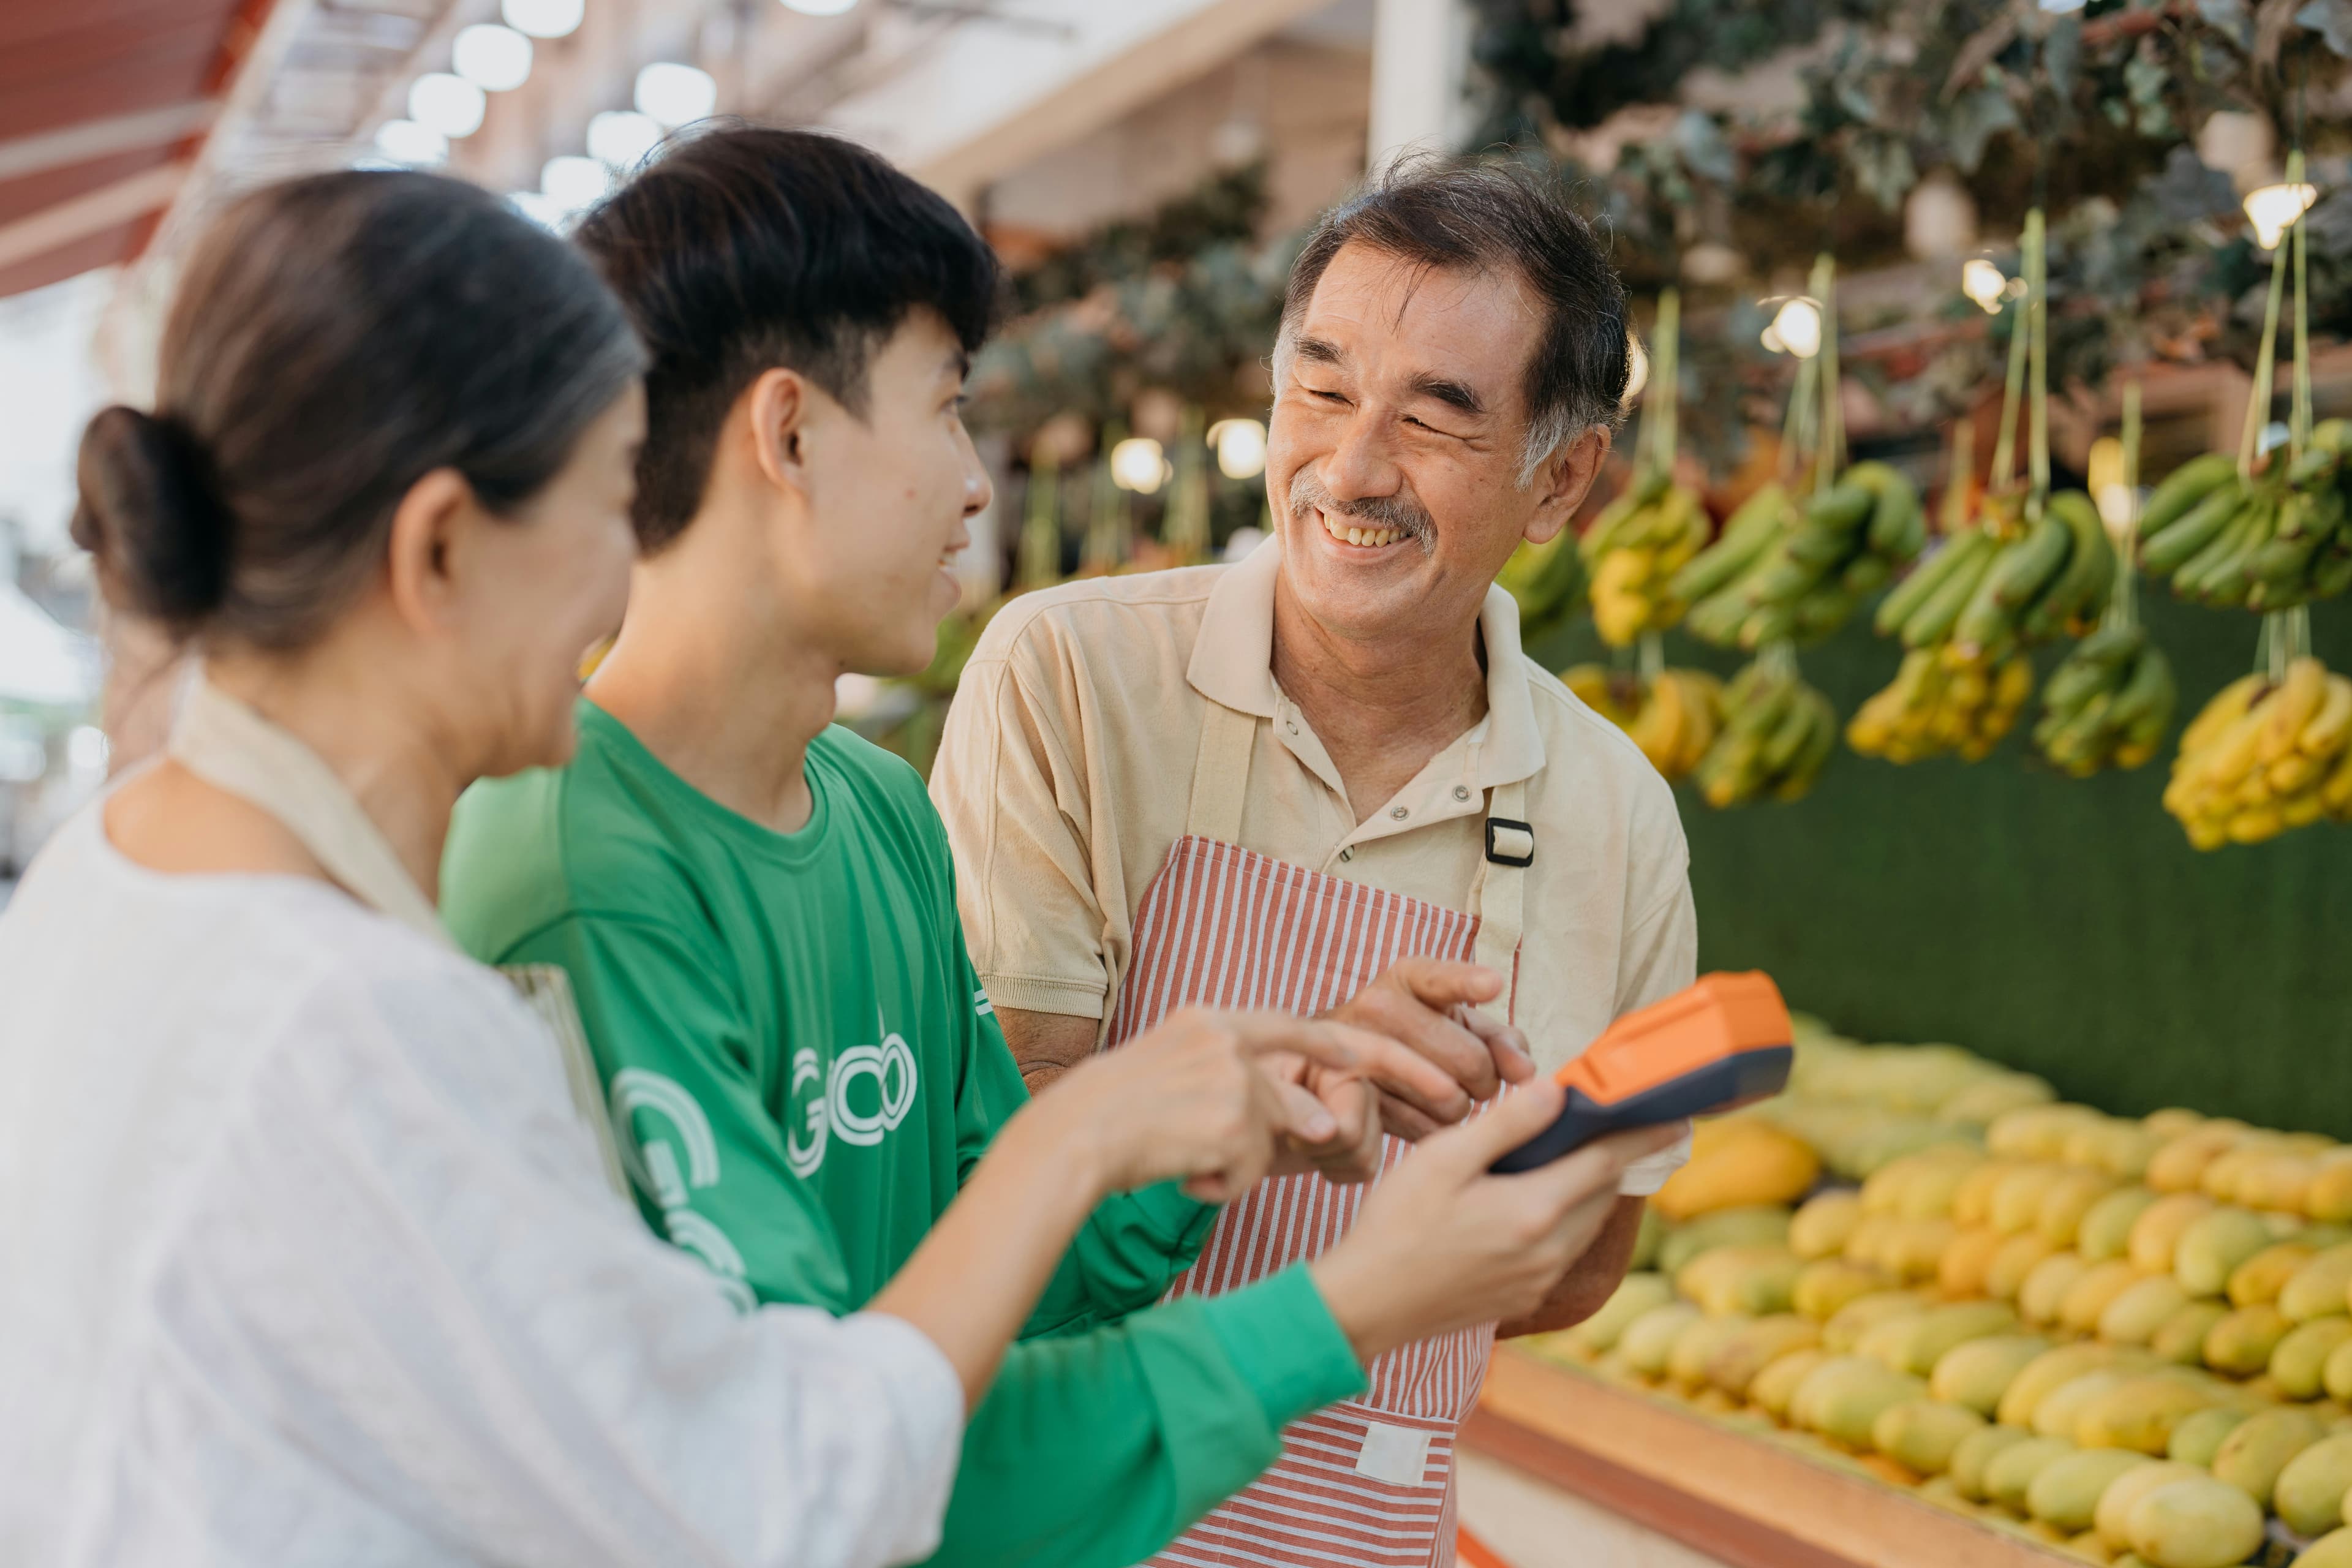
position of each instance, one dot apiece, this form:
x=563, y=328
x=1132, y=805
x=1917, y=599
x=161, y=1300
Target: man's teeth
x=1370, y=537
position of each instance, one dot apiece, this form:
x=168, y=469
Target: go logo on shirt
x=861, y=1099
x=678, y=1131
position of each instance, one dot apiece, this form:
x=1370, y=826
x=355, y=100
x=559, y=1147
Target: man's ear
x=425, y=552
x=1563, y=481
x=779, y=404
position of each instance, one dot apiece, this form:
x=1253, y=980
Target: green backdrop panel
x=2064, y=926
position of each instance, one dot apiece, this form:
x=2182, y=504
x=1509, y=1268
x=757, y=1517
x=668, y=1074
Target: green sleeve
x=711, y=1169
x=1134, y=1245
x=1096, y=1450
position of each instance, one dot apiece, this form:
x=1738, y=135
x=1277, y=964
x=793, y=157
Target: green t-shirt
x=804, y=1069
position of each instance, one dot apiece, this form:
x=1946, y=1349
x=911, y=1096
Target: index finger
x=1505, y=1044
x=1342, y=1047
x=1440, y=983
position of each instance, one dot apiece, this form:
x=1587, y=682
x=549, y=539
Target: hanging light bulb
x=406, y=141
x=449, y=104
x=544, y=18
x=676, y=94
x=621, y=137
x=2272, y=210
x=494, y=58
x=1796, y=329
x=574, y=183
x=1241, y=448
x=1138, y=464
x=1982, y=281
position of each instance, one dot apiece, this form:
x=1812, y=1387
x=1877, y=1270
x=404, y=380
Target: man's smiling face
x=1394, y=452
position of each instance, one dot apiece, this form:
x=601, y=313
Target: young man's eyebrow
x=1452, y=393
x=958, y=365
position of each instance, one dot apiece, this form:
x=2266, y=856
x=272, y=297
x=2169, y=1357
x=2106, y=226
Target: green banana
x=2027, y=566
x=2162, y=554
x=1865, y=574
x=2149, y=691
x=1897, y=506
x=2182, y=491
x=1750, y=531
x=2082, y=586
x=1842, y=507
x=1789, y=736
x=1925, y=578
x=1932, y=622
x=2220, y=576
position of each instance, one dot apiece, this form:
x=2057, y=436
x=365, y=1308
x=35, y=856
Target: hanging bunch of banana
x=1548, y=581
x=2110, y=700
x=2265, y=756
x=1672, y=715
x=1782, y=570
x=1777, y=734
x=1644, y=537
x=1935, y=706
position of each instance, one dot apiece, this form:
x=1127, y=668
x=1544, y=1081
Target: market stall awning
x=102, y=104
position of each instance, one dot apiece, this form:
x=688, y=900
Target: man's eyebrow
x=1452, y=393
x=1318, y=350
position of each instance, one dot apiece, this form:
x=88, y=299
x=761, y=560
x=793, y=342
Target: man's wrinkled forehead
x=1457, y=333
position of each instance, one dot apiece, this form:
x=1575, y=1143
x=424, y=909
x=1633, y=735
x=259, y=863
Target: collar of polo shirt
x=1233, y=663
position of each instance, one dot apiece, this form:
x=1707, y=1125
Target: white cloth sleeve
x=406, y=1252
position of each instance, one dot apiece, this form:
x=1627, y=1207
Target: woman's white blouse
x=304, y=1258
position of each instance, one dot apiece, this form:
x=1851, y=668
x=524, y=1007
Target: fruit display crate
x=1742, y=1500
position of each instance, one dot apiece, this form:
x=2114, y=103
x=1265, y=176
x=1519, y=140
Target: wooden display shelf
x=1742, y=1502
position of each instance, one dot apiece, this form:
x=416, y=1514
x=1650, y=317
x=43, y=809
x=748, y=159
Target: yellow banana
x=2228, y=706
x=2286, y=710
x=2332, y=725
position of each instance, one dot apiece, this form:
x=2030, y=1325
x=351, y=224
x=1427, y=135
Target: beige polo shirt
x=1066, y=768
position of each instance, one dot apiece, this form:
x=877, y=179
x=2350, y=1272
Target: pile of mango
x=2130, y=1338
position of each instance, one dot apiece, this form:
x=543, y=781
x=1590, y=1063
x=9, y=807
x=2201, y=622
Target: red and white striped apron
x=1371, y=1480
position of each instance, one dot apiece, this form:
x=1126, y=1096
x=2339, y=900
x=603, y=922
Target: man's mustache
x=1399, y=511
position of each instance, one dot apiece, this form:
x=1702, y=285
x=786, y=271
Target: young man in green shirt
x=757, y=915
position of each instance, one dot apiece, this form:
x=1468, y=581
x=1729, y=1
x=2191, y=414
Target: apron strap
x=1221, y=774
x=233, y=748
x=1499, y=898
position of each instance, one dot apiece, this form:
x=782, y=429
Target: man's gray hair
x=1475, y=213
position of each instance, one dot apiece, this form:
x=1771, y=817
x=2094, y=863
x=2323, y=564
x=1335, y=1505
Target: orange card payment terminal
x=1720, y=1042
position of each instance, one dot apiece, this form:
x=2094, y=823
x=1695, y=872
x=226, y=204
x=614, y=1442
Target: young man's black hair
x=747, y=247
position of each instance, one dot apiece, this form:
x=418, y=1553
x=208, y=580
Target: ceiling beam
x=54, y=227
x=95, y=138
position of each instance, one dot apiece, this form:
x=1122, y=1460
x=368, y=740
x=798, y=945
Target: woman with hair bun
x=312, y=1251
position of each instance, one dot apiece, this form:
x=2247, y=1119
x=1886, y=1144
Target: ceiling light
x=675, y=94
x=1241, y=448
x=621, y=137
x=449, y=104
x=544, y=18
x=821, y=7
x=1138, y=464
x=1796, y=329
x=2273, y=210
x=406, y=141
x=572, y=183
x=1982, y=281
x=494, y=58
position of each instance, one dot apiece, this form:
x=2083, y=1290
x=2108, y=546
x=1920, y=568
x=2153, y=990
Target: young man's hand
x=1431, y=1006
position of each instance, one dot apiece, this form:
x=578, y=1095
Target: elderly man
x=1268, y=783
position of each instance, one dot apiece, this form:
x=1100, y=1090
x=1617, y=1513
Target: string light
x=494, y=58
x=1982, y=281
x=1637, y=371
x=573, y=183
x=2272, y=210
x=1241, y=448
x=406, y=141
x=621, y=137
x=449, y=104
x=676, y=94
x=544, y=18
x=1138, y=464
x=1796, y=329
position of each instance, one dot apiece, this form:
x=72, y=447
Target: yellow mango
x=2158, y=1229
x=2172, y=1121
x=1862, y=1240
x=2088, y=1295
x=1843, y=1396
x=2321, y=1288
x=1921, y=1434
x=2144, y=1307
x=2014, y=1261
x=2278, y=1180
x=1753, y=1282
x=1960, y=1272
x=2062, y=1409
x=1910, y=1248
x=2222, y=1173
x=1756, y=1167
x=2017, y=1201
x=2045, y=1373
x=1975, y=1451
x=2329, y=1196
x=2337, y=1377
x=1770, y=1389
x=2309, y=1494
x=2299, y=1365
x=2037, y=1131
x=2065, y=1493
x=2067, y=1200
x=2044, y=1290
x=2180, y=1166
x=1820, y=1226
x=2212, y=1247
x=2106, y=1230
x=2240, y=1344
x=1635, y=1294
x=1978, y=1371
x=1829, y=1283
x=1883, y=1341
x=1735, y=1360
x=1649, y=1339
x=2182, y=1339
x=2254, y=1453
x=2261, y=1277
x=2140, y=1413
x=1695, y=1345
x=2333, y=1550
x=1972, y=1198
x=1993, y=1095
x=1846, y=1326
x=1720, y=1228
x=2195, y=1524
x=2113, y=1514
x=2197, y=1437
x=2009, y=1475
x=1920, y=1344
x=1937, y=1491
x=2121, y=1149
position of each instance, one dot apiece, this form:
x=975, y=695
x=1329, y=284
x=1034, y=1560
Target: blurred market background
x=1146, y=166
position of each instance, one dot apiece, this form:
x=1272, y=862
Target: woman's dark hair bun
x=149, y=515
